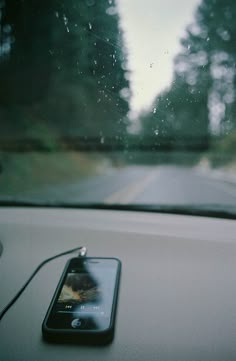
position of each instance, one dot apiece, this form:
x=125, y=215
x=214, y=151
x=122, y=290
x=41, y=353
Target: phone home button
x=77, y=323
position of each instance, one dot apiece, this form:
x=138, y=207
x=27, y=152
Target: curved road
x=145, y=185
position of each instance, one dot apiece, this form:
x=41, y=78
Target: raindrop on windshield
x=66, y=22
x=90, y=2
x=154, y=110
x=65, y=19
x=7, y=29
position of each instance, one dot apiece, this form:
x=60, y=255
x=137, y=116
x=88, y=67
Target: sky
x=152, y=31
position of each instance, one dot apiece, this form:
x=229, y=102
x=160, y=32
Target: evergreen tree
x=201, y=99
x=64, y=70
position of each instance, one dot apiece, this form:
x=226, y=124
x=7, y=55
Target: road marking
x=131, y=191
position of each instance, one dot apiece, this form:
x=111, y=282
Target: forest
x=200, y=105
x=64, y=75
x=62, y=70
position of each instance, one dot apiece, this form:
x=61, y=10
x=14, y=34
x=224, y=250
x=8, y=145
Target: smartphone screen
x=86, y=297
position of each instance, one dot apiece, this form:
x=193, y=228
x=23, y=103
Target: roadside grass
x=23, y=172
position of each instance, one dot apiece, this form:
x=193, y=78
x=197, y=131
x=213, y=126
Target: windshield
x=118, y=102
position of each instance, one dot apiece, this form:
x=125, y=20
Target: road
x=146, y=185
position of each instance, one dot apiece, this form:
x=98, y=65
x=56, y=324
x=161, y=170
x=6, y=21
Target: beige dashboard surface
x=177, y=292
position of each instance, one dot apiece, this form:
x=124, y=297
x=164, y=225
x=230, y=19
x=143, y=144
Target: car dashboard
x=177, y=290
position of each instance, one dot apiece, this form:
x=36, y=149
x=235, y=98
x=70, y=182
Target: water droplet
x=208, y=39
x=99, y=100
x=90, y=26
x=154, y=110
x=102, y=140
x=65, y=19
x=110, y=2
x=57, y=14
x=90, y=2
x=67, y=29
x=95, y=62
x=151, y=65
x=156, y=132
x=6, y=28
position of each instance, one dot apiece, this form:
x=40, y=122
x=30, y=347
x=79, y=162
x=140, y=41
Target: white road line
x=131, y=191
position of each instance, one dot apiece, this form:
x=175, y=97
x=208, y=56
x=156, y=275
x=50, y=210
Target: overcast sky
x=152, y=30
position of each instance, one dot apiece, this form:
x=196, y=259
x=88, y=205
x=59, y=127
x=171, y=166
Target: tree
x=65, y=65
x=207, y=60
x=202, y=96
x=26, y=42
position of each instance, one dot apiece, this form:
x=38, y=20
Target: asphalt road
x=162, y=185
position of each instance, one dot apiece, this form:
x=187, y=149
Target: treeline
x=62, y=70
x=200, y=105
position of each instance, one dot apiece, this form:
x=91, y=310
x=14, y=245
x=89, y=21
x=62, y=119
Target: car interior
x=117, y=142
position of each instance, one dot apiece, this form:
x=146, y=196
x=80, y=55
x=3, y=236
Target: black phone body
x=83, y=307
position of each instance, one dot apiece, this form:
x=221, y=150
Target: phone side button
x=77, y=323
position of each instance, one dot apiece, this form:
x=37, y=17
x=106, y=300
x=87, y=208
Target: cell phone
x=83, y=307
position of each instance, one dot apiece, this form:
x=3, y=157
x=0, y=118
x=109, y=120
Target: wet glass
x=118, y=102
